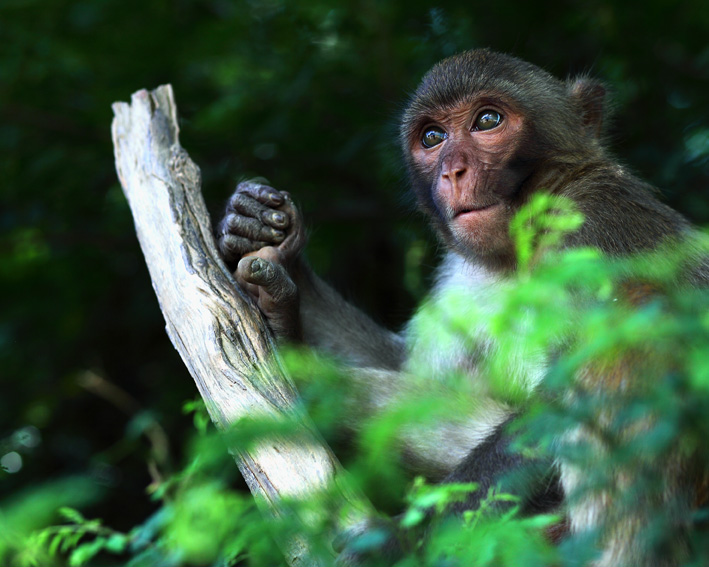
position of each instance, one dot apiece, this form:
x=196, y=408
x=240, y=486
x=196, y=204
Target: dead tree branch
x=217, y=330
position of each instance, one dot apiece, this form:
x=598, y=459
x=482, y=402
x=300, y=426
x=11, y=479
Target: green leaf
x=35, y=508
x=412, y=517
x=117, y=543
x=82, y=554
x=71, y=514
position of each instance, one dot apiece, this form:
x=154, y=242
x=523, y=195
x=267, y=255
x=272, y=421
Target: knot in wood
x=182, y=167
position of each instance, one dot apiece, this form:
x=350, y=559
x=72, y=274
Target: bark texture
x=218, y=331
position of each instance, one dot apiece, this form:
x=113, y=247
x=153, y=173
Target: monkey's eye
x=433, y=136
x=487, y=120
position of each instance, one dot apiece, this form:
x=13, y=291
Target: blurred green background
x=304, y=93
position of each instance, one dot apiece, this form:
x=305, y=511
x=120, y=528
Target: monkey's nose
x=454, y=173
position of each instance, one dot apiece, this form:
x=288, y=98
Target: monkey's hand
x=262, y=235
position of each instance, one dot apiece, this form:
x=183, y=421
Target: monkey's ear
x=590, y=95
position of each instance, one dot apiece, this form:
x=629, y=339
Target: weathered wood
x=217, y=330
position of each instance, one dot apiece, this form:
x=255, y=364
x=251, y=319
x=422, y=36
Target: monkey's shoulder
x=622, y=213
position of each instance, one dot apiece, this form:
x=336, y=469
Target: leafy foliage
x=632, y=430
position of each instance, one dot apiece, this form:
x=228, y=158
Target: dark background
x=305, y=93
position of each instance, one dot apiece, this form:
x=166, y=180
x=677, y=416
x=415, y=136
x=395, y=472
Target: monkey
x=482, y=133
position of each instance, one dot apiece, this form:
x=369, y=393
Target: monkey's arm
x=262, y=235
x=332, y=325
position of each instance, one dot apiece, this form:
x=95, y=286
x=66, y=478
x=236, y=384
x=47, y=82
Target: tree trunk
x=219, y=333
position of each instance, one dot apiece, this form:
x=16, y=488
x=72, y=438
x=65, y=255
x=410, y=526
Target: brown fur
x=470, y=185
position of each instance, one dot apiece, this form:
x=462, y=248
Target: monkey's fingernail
x=278, y=218
x=256, y=266
x=276, y=198
x=278, y=235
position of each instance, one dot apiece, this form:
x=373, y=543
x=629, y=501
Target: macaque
x=482, y=133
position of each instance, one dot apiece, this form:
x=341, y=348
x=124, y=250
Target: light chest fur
x=449, y=344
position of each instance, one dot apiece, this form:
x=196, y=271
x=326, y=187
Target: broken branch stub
x=219, y=333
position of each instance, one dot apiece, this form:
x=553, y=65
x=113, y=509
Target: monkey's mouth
x=472, y=210
x=470, y=220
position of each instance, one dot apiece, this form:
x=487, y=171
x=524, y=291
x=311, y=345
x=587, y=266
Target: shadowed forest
x=99, y=419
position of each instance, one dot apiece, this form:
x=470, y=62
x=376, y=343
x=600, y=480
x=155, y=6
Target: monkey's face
x=485, y=130
x=468, y=172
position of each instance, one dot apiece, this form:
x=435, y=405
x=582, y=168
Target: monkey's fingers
x=251, y=228
x=277, y=293
x=296, y=238
x=235, y=247
x=246, y=205
x=271, y=277
x=263, y=193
